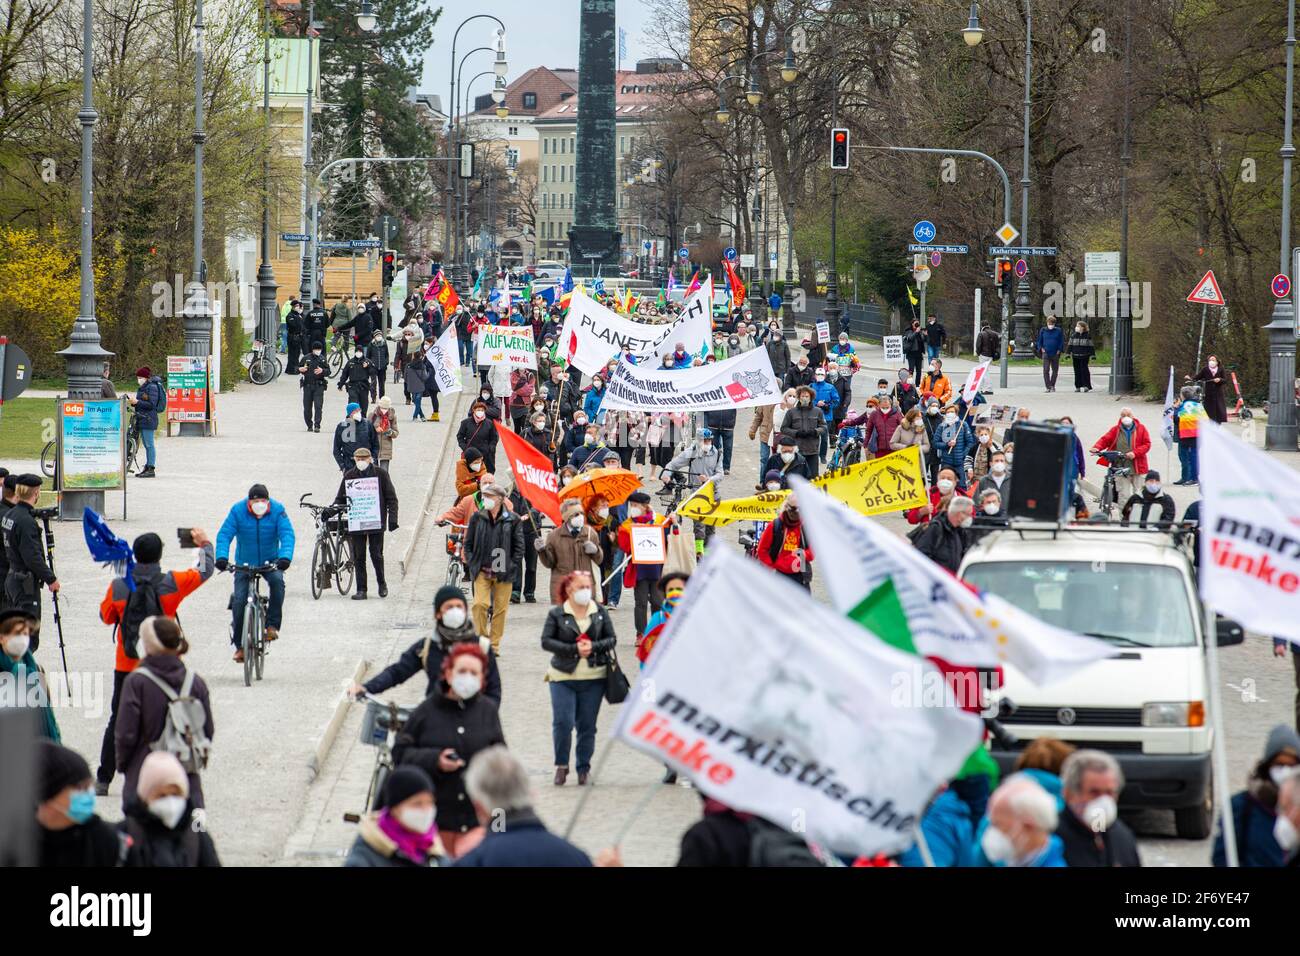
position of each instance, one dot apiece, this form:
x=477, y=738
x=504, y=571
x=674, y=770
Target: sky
x=538, y=33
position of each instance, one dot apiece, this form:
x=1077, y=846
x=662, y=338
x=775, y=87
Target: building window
x=512, y=218
x=512, y=131
x=545, y=171
x=512, y=158
x=530, y=101
x=546, y=146
x=622, y=145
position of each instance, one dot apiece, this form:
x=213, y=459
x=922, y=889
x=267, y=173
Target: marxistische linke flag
x=774, y=704
x=1250, y=534
x=948, y=619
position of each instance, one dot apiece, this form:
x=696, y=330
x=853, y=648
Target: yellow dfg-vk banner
x=892, y=483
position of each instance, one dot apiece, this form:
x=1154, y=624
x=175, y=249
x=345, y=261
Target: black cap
x=472, y=454
x=11, y=482
x=448, y=592
x=30, y=480
x=258, y=491
x=405, y=782
x=148, y=548
x=1153, y=474
x=9, y=613
x=60, y=768
x=639, y=498
x=785, y=438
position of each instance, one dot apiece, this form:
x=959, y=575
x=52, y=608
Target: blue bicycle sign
x=924, y=231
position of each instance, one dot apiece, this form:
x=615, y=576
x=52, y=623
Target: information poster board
x=363, y=505
x=649, y=545
x=189, y=398
x=91, y=444
x=823, y=331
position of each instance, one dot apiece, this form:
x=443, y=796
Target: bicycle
x=673, y=491
x=256, y=607
x=331, y=556
x=380, y=726
x=456, y=572
x=337, y=355
x=263, y=365
x=1117, y=467
x=848, y=447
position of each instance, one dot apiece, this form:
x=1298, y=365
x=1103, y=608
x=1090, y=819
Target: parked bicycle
x=1117, y=467
x=456, y=572
x=253, y=627
x=331, y=555
x=382, y=722
x=337, y=355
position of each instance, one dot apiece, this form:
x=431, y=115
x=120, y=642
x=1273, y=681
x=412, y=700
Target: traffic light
x=390, y=265
x=839, y=148
x=1002, y=276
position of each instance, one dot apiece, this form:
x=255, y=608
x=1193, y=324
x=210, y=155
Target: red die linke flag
x=737, y=287
x=442, y=290
x=534, y=476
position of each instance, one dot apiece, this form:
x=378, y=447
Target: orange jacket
x=940, y=387
x=466, y=480
x=173, y=587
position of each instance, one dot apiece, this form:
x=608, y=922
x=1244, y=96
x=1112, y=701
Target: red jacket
x=1141, y=445
x=914, y=516
x=793, y=554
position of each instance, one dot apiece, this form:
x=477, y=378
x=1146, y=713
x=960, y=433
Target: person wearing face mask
x=784, y=547
x=1212, y=378
x=1152, y=496
x=469, y=472
x=1081, y=350
x=935, y=384
x=914, y=349
x=68, y=831
x=1022, y=818
x=945, y=539
x=314, y=381
x=1286, y=829
x=591, y=453
x=358, y=378
x=573, y=546
x=579, y=634
x=604, y=520
x=1257, y=811
x=722, y=422
x=591, y=399
x=150, y=398
x=799, y=374
x=538, y=432
x=910, y=431
x=826, y=399
x=401, y=833
x=19, y=671
x=1129, y=437
x=639, y=578
x=981, y=454
x=904, y=393
x=1048, y=346
x=574, y=438
x=159, y=828
x=935, y=336
x=523, y=385
x=373, y=540
x=378, y=355
x=881, y=424
x=1188, y=415
x=1091, y=832
x=778, y=350
x=990, y=508
x=383, y=420
x=784, y=462
x=355, y=431
x=264, y=534
x=143, y=711
x=996, y=479
x=808, y=426
x=953, y=441
x=493, y=550
x=452, y=626
x=444, y=733
x=478, y=431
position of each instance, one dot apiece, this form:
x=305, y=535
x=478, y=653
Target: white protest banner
x=363, y=504
x=823, y=331
x=948, y=619
x=893, y=348
x=1169, y=430
x=649, y=546
x=445, y=359
x=740, y=382
x=1250, y=534
x=974, y=380
x=775, y=705
x=510, y=345
x=600, y=333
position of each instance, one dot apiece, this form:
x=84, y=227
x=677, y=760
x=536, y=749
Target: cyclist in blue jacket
x=265, y=536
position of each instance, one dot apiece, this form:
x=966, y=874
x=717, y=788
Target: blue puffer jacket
x=149, y=398
x=261, y=540
x=591, y=404
x=828, y=393
x=954, y=457
x=948, y=830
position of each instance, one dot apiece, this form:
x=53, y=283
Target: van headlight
x=1174, y=714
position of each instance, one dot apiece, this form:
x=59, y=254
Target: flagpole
x=601, y=760
x=644, y=802
x=1219, y=751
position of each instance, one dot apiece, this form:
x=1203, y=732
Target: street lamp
x=500, y=66
x=267, y=323
x=754, y=95
x=723, y=114
x=789, y=72
x=973, y=32
x=1023, y=316
x=366, y=19
x=1281, y=431
x=197, y=321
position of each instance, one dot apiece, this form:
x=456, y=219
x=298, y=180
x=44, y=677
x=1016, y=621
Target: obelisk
x=594, y=240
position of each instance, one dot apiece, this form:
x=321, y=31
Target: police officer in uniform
x=297, y=345
x=25, y=551
x=7, y=501
x=315, y=375
x=357, y=379
x=316, y=323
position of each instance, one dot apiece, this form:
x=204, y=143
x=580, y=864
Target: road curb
x=317, y=759
x=405, y=561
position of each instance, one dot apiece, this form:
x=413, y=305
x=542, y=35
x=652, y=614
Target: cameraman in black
x=25, y=550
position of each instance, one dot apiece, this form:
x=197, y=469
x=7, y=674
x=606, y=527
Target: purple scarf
x=412, y=845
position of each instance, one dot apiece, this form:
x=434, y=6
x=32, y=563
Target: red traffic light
x=840, y=136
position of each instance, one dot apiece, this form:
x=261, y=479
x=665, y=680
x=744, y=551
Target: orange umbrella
x=612, y=484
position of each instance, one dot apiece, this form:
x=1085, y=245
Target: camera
x=45, y=514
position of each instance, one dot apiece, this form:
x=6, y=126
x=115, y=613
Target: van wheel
x=1196, y=823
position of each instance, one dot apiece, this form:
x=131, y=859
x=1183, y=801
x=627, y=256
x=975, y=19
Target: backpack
x=770, y=845
x=160, y=403
x=141, y=603
x=183, y=735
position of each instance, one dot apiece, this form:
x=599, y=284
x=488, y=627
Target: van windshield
x=1130, y=605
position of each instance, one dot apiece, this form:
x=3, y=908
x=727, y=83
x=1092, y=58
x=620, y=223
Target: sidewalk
x=265, y=734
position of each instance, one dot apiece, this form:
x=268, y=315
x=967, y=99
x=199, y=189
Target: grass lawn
x=1100, y=360
x=23, y=428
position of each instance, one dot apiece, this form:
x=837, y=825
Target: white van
x=1146, y=706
